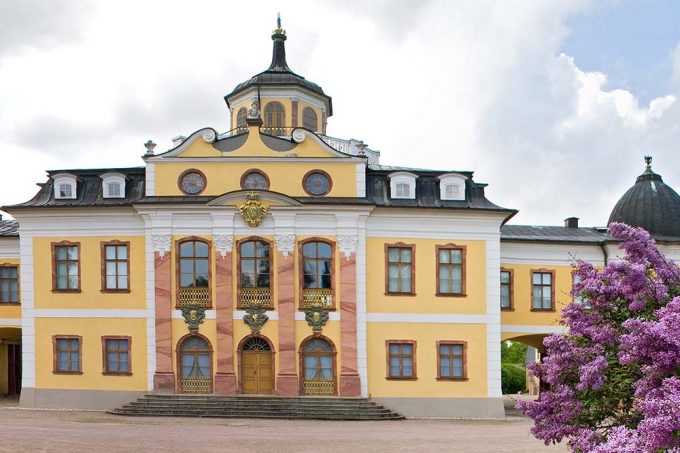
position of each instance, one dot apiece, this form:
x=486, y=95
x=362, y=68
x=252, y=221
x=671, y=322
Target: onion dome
x=650, y=204
x=278, y=74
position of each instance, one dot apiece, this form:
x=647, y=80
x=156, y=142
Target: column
x=225, y=378
x=350, y=383
x=164, y=378
x=286, y=379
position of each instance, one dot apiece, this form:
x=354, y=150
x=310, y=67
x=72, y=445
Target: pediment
x=237, y=197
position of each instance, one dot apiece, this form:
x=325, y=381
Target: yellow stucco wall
x=426, y=336
x=91, y=295
x=91, y=329
x=522, y=313
x=425, y=300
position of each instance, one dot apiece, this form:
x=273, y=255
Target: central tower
x=286, y=100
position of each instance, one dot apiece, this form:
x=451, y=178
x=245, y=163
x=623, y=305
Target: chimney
x=571, y=222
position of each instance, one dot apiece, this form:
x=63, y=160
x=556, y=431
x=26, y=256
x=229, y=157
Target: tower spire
x=279, y=63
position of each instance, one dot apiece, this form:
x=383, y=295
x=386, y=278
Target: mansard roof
x=89, y=189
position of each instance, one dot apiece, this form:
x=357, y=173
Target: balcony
x=318, y=386
x=317, y=297
x=193, y=296
x=255, y=297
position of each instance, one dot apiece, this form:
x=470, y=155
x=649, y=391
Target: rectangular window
x=67, y=354
x=115, y=266
x=506, y=289
x=66, y=266
x=450, y=270
x=65, y=191
x=403, y=190
x=401, y=359
x=9, y=284
x=452, y=359
x=400, y=261
x=116, y=354
x=574, y=280
x=113, y=189
x=542, y=290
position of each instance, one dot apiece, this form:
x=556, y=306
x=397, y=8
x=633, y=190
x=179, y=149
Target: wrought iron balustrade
x=255, y=297
x=319, y=386
x=278, y=131
x=196, y=385
x=199, y=296
x=321, y=297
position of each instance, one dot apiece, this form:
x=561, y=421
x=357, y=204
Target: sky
x=553, y=104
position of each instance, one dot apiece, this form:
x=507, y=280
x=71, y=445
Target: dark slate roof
x=9, y=228
x=89, y=192
x=650, y=204
x=89, y=189
x=279, y=74
x=532, y=233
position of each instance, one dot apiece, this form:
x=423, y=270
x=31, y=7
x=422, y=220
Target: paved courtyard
x=79, y=431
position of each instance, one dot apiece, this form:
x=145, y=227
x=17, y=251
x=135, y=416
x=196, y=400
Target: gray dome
x=650, y=204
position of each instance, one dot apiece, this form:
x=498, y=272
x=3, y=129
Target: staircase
x=317, y=408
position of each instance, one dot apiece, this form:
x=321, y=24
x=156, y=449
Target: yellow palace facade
x=274, y=259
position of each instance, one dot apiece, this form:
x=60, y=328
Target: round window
x=317, y=183
x=192, y=182
x=254, y=180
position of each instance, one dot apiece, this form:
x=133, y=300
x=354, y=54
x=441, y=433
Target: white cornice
x=284, y=159
x=268, y=93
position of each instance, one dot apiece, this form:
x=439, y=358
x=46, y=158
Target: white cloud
x=455, y=85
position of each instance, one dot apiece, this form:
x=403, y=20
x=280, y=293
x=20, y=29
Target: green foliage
x=513, y=352
x=513, y=378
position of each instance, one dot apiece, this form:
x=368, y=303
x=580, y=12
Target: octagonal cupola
x=285, y=99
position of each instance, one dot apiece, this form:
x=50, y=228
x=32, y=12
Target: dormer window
x=402, y=185
x=113, y=185
x=64, y=186
x=452, y=187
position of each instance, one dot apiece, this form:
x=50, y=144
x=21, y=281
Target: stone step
x=216, y=406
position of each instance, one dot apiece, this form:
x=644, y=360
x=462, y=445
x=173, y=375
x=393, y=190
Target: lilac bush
x=615, y=376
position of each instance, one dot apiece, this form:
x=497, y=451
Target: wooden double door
x=256, y=372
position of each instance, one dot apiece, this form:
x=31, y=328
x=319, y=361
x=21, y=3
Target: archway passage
x=257, y=366
x=10, y=362
x=195, y=363
x=318, y=367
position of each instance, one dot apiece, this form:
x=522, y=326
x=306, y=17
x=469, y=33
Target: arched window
x=318, y=359
x=317, y=274
x=194, y=274
x=274, y=118
x=254, y=274
x=241, y=125
x=195, y=365
x=309, y=120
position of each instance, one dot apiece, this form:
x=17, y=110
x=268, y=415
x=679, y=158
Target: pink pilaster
x=225, y=379
x=164, y=378
x=286, y=379
x=350, y=384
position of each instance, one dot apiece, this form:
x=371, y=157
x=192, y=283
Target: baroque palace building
x=275, y=259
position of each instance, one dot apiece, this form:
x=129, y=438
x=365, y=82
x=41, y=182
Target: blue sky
x=631, y=41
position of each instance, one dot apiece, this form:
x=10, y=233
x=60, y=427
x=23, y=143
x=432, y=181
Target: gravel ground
x=81, y=431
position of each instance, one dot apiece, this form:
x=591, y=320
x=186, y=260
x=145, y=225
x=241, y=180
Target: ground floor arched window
x=318, y=367
x=195, y=365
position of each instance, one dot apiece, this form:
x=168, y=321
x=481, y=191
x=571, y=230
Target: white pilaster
x=493, y=310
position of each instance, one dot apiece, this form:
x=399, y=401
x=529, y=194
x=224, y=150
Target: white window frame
x=402, y=177
x=115, y=178
x=64, y=179
x=452, y=179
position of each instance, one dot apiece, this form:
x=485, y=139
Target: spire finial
x=648, y=161
x=278, y=20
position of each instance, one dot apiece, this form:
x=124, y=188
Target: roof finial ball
x=279, y=32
